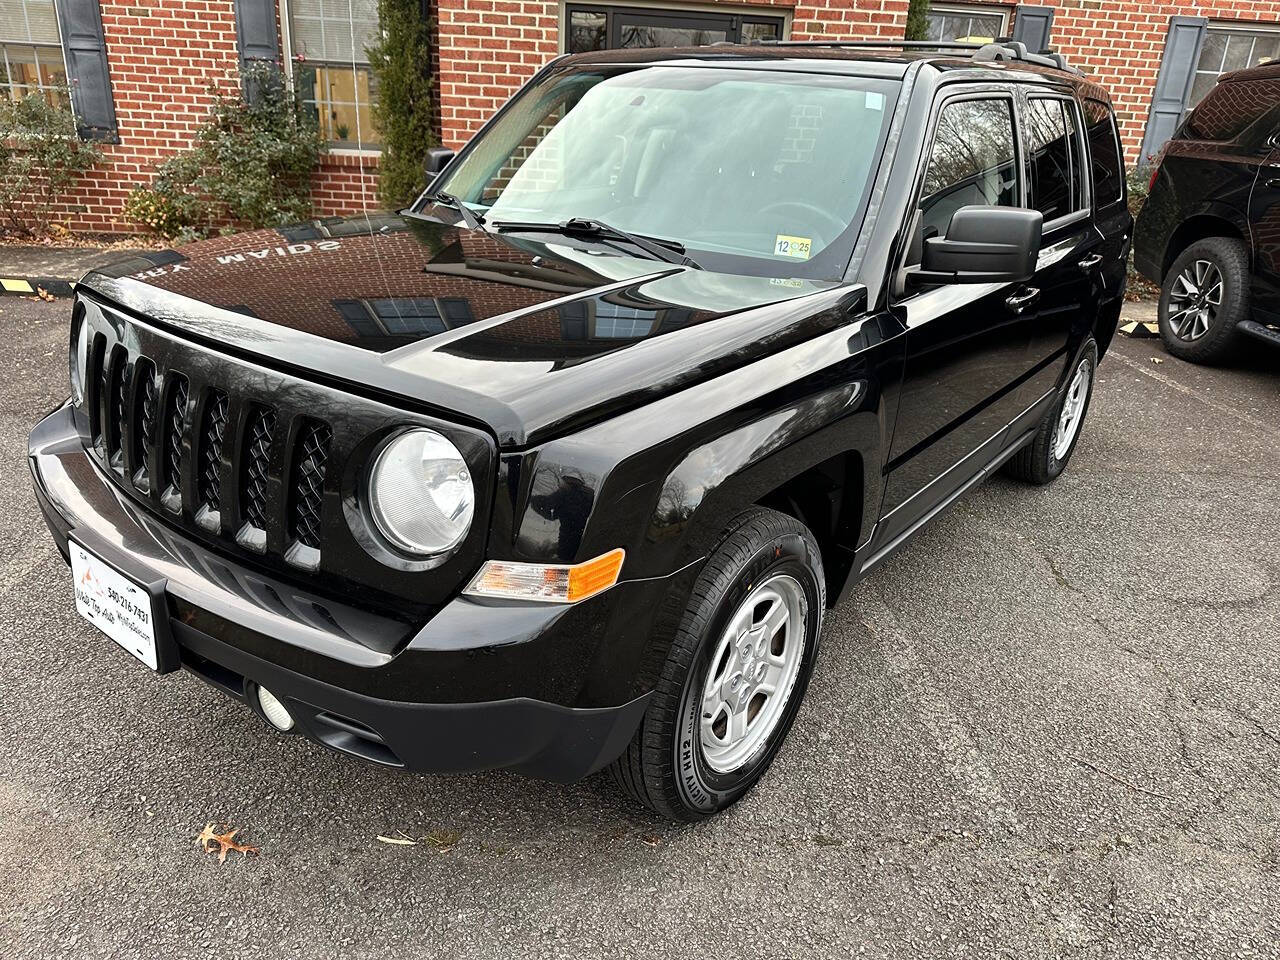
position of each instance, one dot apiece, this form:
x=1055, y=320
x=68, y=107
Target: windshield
x=756, y=172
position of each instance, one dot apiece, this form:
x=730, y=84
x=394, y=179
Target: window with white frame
x=31, y=51
x=1232, y=47
x=961, y=22
x=330, y=68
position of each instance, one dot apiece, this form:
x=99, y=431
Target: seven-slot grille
x=149, y=423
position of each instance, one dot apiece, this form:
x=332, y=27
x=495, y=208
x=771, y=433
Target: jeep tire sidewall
x=700, y=787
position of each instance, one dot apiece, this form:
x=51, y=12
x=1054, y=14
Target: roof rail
x=1001, y=49
x=884, y=44
x=1006, y=49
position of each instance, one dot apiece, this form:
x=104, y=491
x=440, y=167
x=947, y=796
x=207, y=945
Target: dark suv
x=1209, y=233
x=561, y=468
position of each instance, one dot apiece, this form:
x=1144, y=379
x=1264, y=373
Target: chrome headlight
x=420, y=493
x=79, y=354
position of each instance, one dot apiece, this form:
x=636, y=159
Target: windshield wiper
x=469, y=216
x=668, y=251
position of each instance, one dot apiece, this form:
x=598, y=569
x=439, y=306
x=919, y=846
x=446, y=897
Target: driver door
x=967, y=344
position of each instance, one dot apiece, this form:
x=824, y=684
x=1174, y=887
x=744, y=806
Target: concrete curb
x=27, y=286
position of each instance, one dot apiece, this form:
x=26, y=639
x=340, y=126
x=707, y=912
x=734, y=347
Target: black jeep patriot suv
x=560, y=469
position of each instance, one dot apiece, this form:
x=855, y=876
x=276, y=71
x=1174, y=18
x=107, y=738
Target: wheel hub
x=1194, y=300
x=752, y=672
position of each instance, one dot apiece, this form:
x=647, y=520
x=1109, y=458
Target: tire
x=1192, y=326
x=667, y=767
x=1044, y=458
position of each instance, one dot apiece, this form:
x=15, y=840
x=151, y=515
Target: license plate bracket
x=130, y=610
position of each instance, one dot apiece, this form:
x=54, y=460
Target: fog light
x=277, y=713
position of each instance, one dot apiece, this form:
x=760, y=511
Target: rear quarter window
x=1105, y=154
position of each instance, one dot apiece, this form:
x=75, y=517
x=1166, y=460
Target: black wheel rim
x=1194, y=300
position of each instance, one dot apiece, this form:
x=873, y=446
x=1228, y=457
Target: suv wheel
x=736, y=673
x=1045, y=457
x=1205, y=294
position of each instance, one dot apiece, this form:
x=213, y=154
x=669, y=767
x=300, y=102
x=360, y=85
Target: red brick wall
x=489, y=47
x=1121, y=45
x=164, y=57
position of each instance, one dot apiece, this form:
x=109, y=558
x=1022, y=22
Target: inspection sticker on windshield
x=796, y=247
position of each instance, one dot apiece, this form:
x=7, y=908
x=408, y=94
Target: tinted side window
x=971, y=161
x=1104, y=148
x=1056, y=183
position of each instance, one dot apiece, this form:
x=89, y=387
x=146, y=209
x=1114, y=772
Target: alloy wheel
x=752, y=673
x=1072, y=409
x=1195, y=299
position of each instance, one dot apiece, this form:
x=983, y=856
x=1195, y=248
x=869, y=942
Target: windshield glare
x=761, y=172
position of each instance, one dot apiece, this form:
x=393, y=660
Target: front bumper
x=533, y=688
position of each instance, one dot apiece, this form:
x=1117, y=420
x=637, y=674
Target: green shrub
x=1139, y=177
x=251, y=165
x=918, y=20
x=400, y=62
x=41, y=159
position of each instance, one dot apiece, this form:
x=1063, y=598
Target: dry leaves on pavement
x=209, y=839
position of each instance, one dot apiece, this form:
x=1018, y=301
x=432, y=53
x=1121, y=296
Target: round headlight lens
x=79, y=357
x=420, y=493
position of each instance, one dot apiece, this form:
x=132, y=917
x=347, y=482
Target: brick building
x=142, y=71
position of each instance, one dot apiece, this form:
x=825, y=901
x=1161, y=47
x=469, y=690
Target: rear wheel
x=736, y=673
x=1205, y=294
x=1045, y=457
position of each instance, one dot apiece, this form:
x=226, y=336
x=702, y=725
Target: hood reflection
x=384, y=282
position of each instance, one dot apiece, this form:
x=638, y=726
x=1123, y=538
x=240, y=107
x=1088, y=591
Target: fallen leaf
x=225, y=842
x=45, y=295
x=402, y=841
x=649, y=840
x=442, y=839
x=1157, y=360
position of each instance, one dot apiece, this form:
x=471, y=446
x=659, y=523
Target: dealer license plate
x=114, y=604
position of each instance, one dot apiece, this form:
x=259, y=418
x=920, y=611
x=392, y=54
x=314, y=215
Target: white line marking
x=956, y=746
x=1195, y=395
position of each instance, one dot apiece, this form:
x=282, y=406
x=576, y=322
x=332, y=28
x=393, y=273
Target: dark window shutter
x=1031, y=25
x=86, y=50
x=256, y=30
x=1173, y=83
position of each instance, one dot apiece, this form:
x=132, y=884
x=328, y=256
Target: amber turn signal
x=550, y=583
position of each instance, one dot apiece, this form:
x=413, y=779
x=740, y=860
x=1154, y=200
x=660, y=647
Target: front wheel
x=1045, y=457
x=736, y=673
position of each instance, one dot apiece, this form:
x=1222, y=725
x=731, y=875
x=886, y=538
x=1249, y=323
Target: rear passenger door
x=1110, y=211
x=1069, y=279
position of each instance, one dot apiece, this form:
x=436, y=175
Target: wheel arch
x=1213, y=222
x=829, y=499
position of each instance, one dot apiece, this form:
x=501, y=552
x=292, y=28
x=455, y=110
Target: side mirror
x=437, y=159
x=983, y=245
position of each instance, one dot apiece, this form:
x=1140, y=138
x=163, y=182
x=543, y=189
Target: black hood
x=522, y=336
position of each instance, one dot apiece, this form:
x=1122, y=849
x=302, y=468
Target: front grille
x=146, y=400
x=117, y=369
x=257, y=453
x=258, y=464
x=175, y=418
x=307, y=484
x=212, y=433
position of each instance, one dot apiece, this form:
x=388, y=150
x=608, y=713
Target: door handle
x=1092, y=260
x=1020, y=301
x=1273, y=184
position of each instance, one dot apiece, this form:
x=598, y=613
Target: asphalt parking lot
x=1049, y=727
